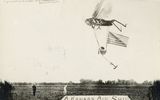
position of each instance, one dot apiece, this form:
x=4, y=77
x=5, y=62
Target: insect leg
x=117, y=27
x=93, y=26
x=124, y=25
x=98, y=27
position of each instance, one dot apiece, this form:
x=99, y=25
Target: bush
x=155, y=91
x=5, y=90
x=86, y=81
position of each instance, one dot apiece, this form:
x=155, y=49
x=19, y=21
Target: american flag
x=117, y=39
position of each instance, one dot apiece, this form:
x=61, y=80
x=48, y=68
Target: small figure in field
x=65, y=90
x=34, y=89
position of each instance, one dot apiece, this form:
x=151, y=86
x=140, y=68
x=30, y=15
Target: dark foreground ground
x=55, y=92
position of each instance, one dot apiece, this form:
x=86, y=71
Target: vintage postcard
x=79, y=50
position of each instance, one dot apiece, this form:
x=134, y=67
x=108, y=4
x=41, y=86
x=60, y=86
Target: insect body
x=102, y=22
x=100, y=16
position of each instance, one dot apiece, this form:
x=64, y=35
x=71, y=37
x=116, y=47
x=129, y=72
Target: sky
x=50, y=42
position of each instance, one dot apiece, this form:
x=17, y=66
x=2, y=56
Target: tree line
x=114, y=82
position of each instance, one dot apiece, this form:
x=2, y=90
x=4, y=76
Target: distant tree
x=99, y=82
x=126, y=82
x=120, y=82
x=70, y=82
x=5, y=90
x=154, y=91
x=147, y=83
x=86, y=81
x=132, y=82
x=108, y=82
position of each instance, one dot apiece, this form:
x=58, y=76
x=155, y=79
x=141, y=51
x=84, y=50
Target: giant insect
x=98, y=20
x=102, y=11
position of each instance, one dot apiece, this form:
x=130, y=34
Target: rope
x=115, y=66
x=96, y=38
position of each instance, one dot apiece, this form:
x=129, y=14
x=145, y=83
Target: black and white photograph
x=79, y=50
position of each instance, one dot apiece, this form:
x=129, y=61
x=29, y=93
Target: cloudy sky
x=50, y=42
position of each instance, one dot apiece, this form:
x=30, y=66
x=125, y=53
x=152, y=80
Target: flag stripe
x=117, y=39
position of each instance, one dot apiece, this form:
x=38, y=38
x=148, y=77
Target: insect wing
x=103, y=9
x=97, y=8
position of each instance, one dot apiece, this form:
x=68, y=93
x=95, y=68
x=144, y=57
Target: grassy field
x=43, y=92
x=55, y=91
